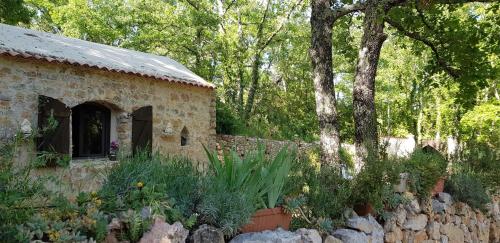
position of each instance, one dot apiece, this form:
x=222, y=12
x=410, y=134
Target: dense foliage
x=437, y=77
x=257, y=54
x=171, y=186
x=465, y=187
x=424, y=168
x=18, y=191
x=253, y=182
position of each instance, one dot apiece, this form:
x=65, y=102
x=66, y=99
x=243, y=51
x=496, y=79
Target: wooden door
x=142, y=129
x=53, y=125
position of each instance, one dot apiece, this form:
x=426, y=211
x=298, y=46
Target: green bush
x=316, y=194
x=424, y=168
x=239, y=186
x=484, y=160
x=20, y=193
x=260, y=178
x=480, y=133
x=169, y=185
x=66, y=222
x=374, y=181
x=224, y=208
x=465, y=187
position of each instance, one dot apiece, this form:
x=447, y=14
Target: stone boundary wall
x=395, y=147
x=439, y=220
x=243, y=144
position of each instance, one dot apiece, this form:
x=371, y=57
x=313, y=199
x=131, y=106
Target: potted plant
x=427, y=170
x=439, y=186
x=260, y=179
x=113, y=150
x=369, y=186
x=271, y=216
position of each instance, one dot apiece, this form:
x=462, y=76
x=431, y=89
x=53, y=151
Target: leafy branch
x=453, y=72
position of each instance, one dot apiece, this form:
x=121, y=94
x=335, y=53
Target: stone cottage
x=100, y=94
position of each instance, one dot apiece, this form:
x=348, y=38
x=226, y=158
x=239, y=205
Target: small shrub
x=224, y=208
x=316, y=195
x=465, y=187
x=20, y=193
x=424, y=168
x=135, y=226
x=169, y=185
x=484, y=160
x=239, y=186
x=261, y=179
x=372, y=183
x=66, y=222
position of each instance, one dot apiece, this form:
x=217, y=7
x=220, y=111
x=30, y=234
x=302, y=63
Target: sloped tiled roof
x=28, y=43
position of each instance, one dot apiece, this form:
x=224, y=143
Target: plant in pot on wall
x=260, y=180
x=113, y=150
x=427, y=172
x=370, y=185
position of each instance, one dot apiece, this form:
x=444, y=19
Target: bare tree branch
x=416, y=36
x=193, y=4
x=346, y=9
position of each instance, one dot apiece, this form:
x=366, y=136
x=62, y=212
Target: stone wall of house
x=175, y=106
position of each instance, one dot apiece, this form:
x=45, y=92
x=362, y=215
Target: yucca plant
x=254, y=175
x=275, y=176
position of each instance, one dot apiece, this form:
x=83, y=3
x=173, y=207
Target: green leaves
x=254, y=175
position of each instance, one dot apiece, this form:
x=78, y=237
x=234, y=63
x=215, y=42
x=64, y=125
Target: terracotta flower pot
x=439, y=186
x=363, y=209
x=268, y=219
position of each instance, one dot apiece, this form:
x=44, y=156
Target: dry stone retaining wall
x=442, y=221
x=243, y=144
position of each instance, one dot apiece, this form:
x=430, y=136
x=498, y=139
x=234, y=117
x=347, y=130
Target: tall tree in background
x=376, y=13
x=256, y=53
x=321, y=56
x=14, y=12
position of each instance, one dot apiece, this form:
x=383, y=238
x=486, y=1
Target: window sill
x=92, y=162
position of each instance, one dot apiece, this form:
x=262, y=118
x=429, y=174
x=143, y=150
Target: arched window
x=184, y=137
x=91, y=130
x=142, y=129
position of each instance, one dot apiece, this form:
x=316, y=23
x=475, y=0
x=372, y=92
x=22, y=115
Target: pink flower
x=114, y=146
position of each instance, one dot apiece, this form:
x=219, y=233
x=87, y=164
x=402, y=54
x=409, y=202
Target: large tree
x=376, y=14
x=321, y=56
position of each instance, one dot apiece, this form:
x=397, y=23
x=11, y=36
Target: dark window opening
x=53, y=126
x=142, y=130
x=91, y=130
x=184, y=137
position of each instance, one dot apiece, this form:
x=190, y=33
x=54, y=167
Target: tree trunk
x=321, y=56
x=439, y=122
x=420, y=119
x=253, y=85
x=365, y=118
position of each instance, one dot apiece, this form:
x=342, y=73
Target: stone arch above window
x=184, y=137
x=53, y=126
